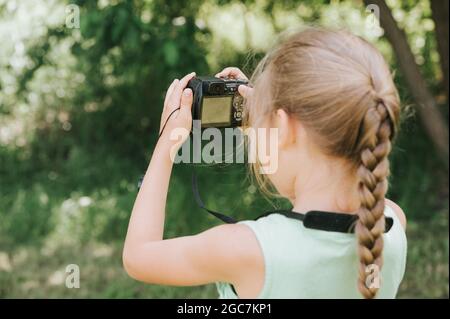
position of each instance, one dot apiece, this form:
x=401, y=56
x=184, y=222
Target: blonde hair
x=341, y=90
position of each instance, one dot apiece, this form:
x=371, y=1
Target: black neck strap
x=319, y=220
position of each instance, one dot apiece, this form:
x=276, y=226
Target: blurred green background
x=80, y=110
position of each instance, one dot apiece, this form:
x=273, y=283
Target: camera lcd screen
x=216, y=110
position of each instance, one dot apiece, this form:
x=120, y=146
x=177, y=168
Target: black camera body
x=217, y=102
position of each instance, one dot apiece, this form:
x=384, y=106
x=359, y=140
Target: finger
x=179, y=87
x=184, y=81
x=169, y=91
x=232, y=72
x=186, y=102
x=227, y=72
x=245, y=90
x=174, y=100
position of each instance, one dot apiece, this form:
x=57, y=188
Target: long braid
x=375, y=146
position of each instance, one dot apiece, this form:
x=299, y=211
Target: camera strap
x=319, y=220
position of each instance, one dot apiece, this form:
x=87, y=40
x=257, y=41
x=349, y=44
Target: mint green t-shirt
x=308, y=263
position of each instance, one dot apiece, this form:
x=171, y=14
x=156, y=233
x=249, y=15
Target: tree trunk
x=441, y=21
x=429, y=113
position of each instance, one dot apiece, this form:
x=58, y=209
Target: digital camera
x=217, y=102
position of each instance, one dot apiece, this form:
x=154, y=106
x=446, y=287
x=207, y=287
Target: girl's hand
x=236, y=73
x=177, y=96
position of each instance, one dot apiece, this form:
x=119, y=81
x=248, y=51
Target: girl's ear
x=286, y=128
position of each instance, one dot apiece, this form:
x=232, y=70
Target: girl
x=331, y=97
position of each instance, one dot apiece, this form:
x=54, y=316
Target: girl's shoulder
x=398, y=212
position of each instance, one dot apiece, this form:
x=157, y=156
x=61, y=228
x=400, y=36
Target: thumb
x=186, y=101
x=244, y=90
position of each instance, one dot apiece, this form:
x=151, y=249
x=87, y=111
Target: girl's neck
x=326, y=188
